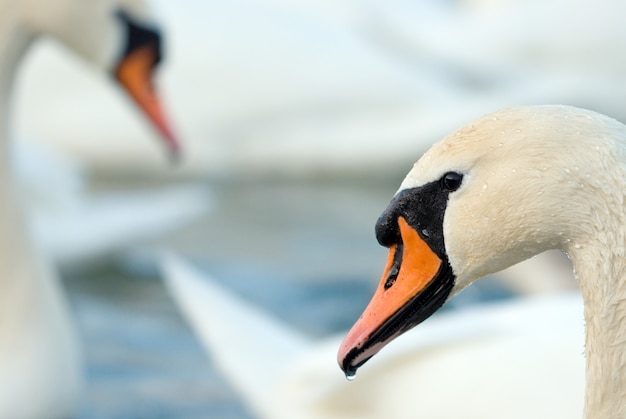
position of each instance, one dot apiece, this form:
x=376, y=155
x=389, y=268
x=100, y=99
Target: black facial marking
x=139, y=35
x=423, y=208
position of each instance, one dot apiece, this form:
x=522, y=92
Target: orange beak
x=415, y=283
x=134, y=73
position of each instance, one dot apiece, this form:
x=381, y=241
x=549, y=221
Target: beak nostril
x=395, y=267
x=391, y=278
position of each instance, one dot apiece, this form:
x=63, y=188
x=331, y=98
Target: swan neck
x=601, y=272
x=19, y=269
x=14, y=42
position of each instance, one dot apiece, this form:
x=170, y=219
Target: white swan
x=503, y=188
x=533, y=178
x=39, y=355
x=498, y=349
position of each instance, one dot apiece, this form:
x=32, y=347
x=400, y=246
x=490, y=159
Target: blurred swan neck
x=15, y=244
x=14, y=42
x=601, y=271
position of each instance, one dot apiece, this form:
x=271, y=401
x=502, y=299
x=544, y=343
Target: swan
x=39, y=353
x=288, y=374
x=503, y=188
x=365, y=69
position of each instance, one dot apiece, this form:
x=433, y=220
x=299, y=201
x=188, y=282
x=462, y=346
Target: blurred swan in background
x=335, y=83
x=363, y=75
x=498, y=349
x=39, y=355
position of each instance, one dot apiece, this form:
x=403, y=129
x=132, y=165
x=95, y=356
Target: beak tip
x=345, y=358
x=342, y=355
x=346, y=366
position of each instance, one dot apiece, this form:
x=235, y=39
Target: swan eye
x=451, y=181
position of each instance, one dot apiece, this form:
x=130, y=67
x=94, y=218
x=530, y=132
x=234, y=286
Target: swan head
x=116, y=36
x=508, y=186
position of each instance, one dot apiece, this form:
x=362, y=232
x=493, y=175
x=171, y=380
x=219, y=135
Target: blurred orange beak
x=134, y=73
